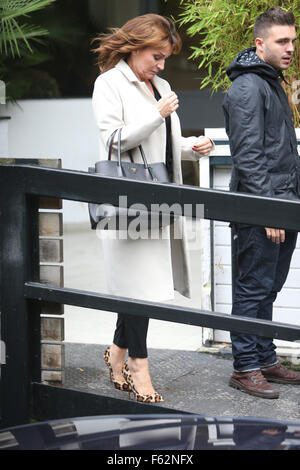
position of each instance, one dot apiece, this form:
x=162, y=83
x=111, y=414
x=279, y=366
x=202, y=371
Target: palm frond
x=13, y=32
x=17, y=8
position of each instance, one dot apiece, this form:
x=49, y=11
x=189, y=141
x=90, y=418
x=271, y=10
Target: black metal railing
x=22, y=394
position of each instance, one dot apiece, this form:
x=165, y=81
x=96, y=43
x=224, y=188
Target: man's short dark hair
x=272, y=16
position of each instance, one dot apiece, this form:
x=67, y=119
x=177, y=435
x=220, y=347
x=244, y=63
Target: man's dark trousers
x=263, y=269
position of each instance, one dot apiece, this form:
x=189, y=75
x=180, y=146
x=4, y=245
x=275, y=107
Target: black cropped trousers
x=131, y=333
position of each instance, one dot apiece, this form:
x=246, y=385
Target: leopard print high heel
x=124, y=386
x=154, y=398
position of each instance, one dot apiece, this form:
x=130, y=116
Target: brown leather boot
x=254, y=383
x=281, y=375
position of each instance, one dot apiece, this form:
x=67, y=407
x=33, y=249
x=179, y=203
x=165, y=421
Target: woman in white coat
x=129, y=95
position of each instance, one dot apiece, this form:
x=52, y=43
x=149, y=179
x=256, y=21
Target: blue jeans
x=263, y=268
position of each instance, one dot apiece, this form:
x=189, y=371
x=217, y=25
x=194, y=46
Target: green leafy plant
x=19, y=37
x=15, y=35
x=221, y=28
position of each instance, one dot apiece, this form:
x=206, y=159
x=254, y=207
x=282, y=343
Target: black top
x=169, y=155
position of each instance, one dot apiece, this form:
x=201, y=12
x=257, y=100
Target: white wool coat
x=142, y=269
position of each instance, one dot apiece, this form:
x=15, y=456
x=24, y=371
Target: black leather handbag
x=108, y=217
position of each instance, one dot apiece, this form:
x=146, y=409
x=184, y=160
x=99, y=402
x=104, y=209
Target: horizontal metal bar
x=176, y=314
x=218, y=205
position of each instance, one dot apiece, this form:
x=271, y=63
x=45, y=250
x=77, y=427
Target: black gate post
x=18, y=258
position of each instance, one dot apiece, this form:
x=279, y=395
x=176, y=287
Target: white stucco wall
x=62, y=128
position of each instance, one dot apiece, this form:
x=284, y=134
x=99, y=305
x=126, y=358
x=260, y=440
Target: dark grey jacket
x=260, y=128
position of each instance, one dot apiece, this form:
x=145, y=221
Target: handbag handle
x=111, y=140
x=148, y=173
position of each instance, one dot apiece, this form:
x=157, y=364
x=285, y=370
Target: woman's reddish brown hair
x=149, y=30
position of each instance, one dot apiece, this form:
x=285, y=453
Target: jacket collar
x=126, y=70
x=130, y=75
x=247, y=61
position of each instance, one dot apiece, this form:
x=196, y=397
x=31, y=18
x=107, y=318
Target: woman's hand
x=167, y=104
x=203, y=145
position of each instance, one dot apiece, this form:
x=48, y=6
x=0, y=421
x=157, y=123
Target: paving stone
x=193, y=382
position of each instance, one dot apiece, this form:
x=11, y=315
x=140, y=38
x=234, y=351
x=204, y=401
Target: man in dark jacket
x=263, y=146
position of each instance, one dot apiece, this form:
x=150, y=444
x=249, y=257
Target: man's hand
x=275, y=234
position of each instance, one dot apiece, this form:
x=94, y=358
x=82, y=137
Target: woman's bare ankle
x=137, y=364
x=117, y=358
x=117, y=352
x=139, y=369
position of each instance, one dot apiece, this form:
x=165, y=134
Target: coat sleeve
x=108, y=112
x=244, y=119
x=187, y=152
x=185, y=143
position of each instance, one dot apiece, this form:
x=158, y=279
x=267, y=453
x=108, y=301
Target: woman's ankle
x=137, y=364
x=139, y=370
x=117, y=358
x=117, y=352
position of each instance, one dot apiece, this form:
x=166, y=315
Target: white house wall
x=58, y=128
